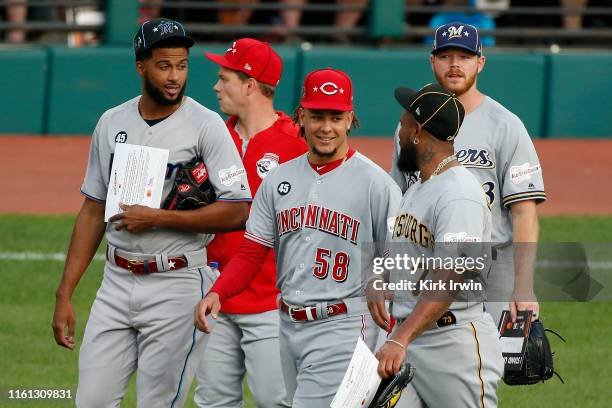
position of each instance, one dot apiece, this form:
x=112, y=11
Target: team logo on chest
x=478, y=158
x=268, y=162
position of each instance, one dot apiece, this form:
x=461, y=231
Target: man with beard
x=494, y=144
x=444, y=223
x=245, y=339
x=155, y=273
x=325, y=229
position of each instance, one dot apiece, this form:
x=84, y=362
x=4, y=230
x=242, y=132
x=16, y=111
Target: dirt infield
x=43, y=174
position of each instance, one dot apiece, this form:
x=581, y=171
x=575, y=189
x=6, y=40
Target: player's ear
x=300, y=112
x=431, y=62
x=251, y=84
x=351, y=117
x=140, y=67
x=481, y=63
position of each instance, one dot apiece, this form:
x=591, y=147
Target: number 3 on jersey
x=339, y=268
x=489, y=190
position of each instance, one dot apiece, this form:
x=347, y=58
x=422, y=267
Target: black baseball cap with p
x=153, y=32
x=436, y=108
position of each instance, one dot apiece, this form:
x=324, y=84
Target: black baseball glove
x=192, y=188
x=537, y=360
x=390, y=390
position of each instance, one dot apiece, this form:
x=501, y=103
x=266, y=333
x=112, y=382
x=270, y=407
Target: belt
x=450, y=318
x=309, y=313
x=145, y=266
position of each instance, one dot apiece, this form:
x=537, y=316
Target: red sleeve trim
x=240, y=270
x=259, y=240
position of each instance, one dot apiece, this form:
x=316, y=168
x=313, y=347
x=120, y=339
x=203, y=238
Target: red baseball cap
x=255, y=58
x=327, y=89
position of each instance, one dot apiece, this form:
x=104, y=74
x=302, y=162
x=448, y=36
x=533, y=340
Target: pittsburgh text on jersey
x=407, y=226
x=320, y=218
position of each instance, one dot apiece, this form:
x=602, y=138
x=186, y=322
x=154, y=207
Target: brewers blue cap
x=458, y=35
x=153, y=31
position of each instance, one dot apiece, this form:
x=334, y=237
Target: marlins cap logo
x=165, y=27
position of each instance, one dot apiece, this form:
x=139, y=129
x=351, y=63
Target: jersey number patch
x=489, y=190
x=339, y=268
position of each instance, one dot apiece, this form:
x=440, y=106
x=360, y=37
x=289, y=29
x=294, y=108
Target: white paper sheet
x=360, y=381
x=137, y=177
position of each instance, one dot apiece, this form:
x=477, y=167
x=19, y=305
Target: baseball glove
x=390, y=390
x=192, y=188
x=537, y=359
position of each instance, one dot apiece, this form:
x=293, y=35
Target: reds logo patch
x=183, y=188
x=199, y=173
x=268, y=162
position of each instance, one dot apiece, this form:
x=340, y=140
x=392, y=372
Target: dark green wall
x=64, y=91
x=579, y=101
x=86, y=82
x=23, y=81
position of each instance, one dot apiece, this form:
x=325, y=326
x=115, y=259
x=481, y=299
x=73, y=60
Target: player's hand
x=64, y=319
x=209, y=305
x=378, y=308
x=390, y=357
x=524, y=302
x=134, y=218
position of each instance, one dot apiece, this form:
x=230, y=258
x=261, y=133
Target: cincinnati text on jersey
x=320, y=218
x=407, y=226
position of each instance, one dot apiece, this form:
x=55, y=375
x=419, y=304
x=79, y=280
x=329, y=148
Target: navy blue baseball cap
x=152, y=32
x=457, y=35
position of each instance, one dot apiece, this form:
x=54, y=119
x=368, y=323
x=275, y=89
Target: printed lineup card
x=137, y=177
x=360, y=381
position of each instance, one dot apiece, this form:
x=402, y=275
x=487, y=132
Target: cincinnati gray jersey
x=320, y=224
x=494, y=144
x=191, y=131
x=448, y=208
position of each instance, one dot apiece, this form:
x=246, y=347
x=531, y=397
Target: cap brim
x=404, y=96
x=341, y=107
x=451, y=45
x=220, y=60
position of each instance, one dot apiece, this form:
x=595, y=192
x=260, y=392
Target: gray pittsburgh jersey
x=191, y=131
x=494, y=144
x=449, y=207
x=318, y=223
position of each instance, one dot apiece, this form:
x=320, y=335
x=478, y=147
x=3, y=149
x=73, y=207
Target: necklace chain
x=442, y=164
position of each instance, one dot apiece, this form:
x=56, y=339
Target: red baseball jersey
x=265, y=151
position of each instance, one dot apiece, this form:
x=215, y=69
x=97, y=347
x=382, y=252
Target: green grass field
x=30, y=358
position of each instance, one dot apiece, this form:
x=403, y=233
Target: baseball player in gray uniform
x=441, y=327
x=494, y=144
x=319, y=224
x=155, y=273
